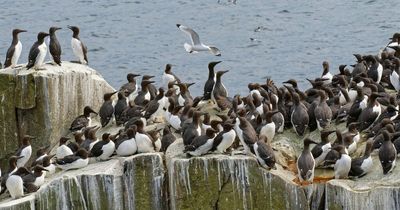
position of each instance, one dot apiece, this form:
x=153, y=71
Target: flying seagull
x=196, y=44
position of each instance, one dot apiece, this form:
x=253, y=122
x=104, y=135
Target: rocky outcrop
x=135, y=182
x=43, y=103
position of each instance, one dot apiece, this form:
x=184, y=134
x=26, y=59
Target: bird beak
x=23, y=31
x=58, y=28
x=70, y=27
x=225, y=71
x=20, y=157
x=31, y=137
x=51, y=156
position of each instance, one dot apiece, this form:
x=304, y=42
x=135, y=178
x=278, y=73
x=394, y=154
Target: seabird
x=201, y=144
x=225, y=138
x=192, y=129
x=343, y=164
x=127, y=145
x=78, y=48
x=209, y=85
x=155, y=108
x=107, y=109
x=168, y=76
x=15, y=184
x=299, y=116
x=264, y=153
x=103, y=149
x=268, y=130
x=320, y=150
x=219, y=89
x=306, y=162
x=167, y=139
x=54, y=46
x=63, y=150
x=360, y=166
x=246, y=134
x=14, y=51
x=38, y=52
x=326, y=75
x=78, y=160
x=25, y=150
x=143, y=96
x=131, y=88
x=368, y=115
x=120, y=106
x=37, y=177
x=387, y=153
x=196, y=45
x=144, y=141
x=322, y=112
x=82, y=121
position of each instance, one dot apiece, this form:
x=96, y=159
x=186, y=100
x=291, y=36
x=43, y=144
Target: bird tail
x=188, y=47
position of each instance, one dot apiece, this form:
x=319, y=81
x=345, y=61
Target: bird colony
x=364, y=97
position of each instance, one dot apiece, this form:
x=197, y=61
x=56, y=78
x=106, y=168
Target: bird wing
x=217, y=140
x=97, y=149
x=29, y=178
x=67, y=159
x=79, y=123
x=316, y=151
x=84, y=50
x=193, y=35
x=355, y=169
x=33, y=53
x=10, y=53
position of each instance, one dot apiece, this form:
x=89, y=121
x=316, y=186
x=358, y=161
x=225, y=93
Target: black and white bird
x=24, y=151
x=38, y=52
x=360, y=166
x=246, y=134
x=37, y=177
x=79, y=49
x=103, y=149
x=15, y=184
x=79, y=159
x=107, y=109
x=167, y=139
x=343, y=164
x=201, y=144
x=306, y=162
x=63, y=150
x=54, y=46
x=264, y=153
x=14, y=51
x=127, y=145
x=196, y=45
x=130, y=89
x=144, y=141
x=320, y=150
x=225, y=138
x=387, y=153
x=168, y=77
x=209, y=85
x=82, y=121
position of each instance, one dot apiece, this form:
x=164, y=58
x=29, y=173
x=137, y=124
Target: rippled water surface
x=140, y=36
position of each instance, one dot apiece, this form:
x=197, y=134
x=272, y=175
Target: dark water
x=140, y=36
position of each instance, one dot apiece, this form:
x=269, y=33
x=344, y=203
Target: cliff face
x=122, y=183
x=44, y=103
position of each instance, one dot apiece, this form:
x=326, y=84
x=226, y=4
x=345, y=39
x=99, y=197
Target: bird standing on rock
x=209, y=85
x=103, y=149
x=54, y=45
x=38, y=52
x=387, y=153
x=78, y=48
x=82, y=121
x=265, y=153
x=63, y=150
x=78, y=160
x=306, y=162
x=107, y=109
x=14, y=51
x=25, y=150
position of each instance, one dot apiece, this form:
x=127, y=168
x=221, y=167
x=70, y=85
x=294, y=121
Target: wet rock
x=44, y=103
